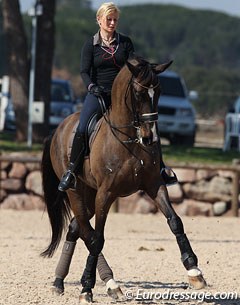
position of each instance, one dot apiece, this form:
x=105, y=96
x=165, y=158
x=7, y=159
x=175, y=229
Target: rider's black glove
x=96, y=90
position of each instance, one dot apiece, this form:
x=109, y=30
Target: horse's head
x=145, y=92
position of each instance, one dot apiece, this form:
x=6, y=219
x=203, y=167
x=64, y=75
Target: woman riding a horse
x=103, y=55
x=125, y=155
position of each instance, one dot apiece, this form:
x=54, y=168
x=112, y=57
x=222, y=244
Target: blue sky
x=231, y=7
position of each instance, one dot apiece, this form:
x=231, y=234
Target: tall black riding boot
x=68, y=180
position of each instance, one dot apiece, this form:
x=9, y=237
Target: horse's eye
x=140, y=94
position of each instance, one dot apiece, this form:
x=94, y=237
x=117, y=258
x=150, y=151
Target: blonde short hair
x=106, y=9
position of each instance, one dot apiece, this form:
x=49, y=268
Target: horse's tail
x=57, y=203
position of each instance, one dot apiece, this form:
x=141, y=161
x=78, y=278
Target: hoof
x=58, y=287
x=113, y=290
x=115, y=293
x=57, y=290
x=85, y=298
x=196, y=279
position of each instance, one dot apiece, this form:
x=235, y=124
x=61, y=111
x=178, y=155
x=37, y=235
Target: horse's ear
x=162, y=67
x=132, y=66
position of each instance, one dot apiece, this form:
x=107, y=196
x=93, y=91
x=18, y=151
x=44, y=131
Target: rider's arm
x=129, y=47
x=86, y=62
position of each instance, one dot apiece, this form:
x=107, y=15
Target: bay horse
x=124, y=158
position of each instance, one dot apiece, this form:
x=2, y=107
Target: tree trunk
x=44, y=60
x=16, y=42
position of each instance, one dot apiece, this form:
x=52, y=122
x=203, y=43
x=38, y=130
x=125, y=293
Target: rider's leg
x=76, y=160
x=90, y=106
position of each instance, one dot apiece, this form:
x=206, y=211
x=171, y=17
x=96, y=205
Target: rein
x=117, y=128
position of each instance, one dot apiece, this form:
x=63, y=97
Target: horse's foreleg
x=189, y=259
x=94, y=242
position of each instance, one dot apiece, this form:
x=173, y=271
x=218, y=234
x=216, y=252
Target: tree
x=16, y=42
x=2, y=43
x=18, y=63
x=44, y=59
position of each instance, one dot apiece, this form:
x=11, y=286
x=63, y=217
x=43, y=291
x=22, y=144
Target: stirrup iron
x=70, y=184
x=171, y=179
x=73, y=184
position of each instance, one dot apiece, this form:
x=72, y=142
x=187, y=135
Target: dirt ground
x=140, y=249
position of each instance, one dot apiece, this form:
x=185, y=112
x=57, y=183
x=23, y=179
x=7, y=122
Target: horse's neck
x=120, y=113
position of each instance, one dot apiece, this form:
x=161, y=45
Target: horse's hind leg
x=106, y=275
x=64, y=262
x=62, y=269
x=189, y=259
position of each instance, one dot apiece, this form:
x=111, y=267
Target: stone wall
x=20, y=185
x=199, y=192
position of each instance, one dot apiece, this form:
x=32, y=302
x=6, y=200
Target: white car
x=176, y=114
x=234, y=108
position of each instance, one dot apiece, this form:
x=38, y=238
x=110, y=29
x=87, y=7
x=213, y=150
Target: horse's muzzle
x=148, y=130
x=147, y=141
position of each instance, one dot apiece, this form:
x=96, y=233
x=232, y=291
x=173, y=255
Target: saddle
x=93, y=127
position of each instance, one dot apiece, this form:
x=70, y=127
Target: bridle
x=139, y=120
x=145, y=118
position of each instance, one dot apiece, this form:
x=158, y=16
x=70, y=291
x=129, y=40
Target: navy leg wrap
x=176, y=225
x=188, y=257
x=94, y=244
x=88, y=279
